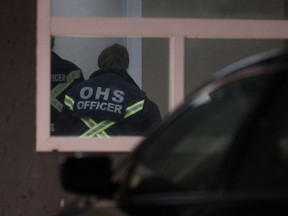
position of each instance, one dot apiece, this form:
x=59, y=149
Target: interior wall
x=155, y=71
x=245, y=9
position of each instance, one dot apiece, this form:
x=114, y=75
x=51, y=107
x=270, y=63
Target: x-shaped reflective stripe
x=69, y=102
x=99, y=129
x=103, y=125
x=90, y=123
x=57, y=90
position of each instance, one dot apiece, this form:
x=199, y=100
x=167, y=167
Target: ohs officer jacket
x=64, y=75
x=109, y=103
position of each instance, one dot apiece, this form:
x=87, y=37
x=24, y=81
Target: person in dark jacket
x=109, y=103
x=64, y=75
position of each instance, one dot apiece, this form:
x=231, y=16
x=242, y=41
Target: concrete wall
x=29, y=182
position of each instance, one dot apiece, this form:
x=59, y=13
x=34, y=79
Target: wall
x=29, y=182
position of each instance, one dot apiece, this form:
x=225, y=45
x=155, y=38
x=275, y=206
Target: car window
x=264, y=166
x=189, y=153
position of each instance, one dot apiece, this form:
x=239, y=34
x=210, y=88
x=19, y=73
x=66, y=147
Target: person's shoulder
x=71, y=65
x=151, y=104
x=77, y=88
x=58, y=61
x=151, y=113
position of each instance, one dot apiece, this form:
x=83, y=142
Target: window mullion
x=176, y=72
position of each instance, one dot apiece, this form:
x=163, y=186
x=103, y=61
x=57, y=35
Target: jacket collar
x=114, y=70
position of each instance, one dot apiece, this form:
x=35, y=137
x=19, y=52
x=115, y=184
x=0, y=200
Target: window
x=171, y=31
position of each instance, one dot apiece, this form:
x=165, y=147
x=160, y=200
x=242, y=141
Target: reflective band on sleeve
x=131, y=110
x=56, y=104
x=69, y=102
x=57, y=90
x=100, y=128
x=52, y=127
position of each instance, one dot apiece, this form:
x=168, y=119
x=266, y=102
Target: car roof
x=265, y=58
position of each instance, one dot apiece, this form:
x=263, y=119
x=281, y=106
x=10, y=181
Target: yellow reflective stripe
x=102, y=126
x=131, y=110
x=56, y=104
x=68, y=101
x=103, y=134
x=90, y=123
x=52, y=127
x=57, y=90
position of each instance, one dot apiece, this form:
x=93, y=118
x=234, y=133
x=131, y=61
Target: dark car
x=223, y=152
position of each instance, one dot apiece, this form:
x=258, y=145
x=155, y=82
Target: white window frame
x=175, y=29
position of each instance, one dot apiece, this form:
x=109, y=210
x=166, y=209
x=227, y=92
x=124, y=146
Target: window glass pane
x=264, y=165
x=83, y=51
x=188, y=155
x=75, y=60
x=96, y=8
x=155, y=70
x=203, y=57
x=246, y=9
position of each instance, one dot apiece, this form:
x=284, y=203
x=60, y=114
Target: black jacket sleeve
x=151, y=116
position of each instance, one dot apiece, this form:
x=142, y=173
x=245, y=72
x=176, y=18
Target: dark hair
x=115, y=55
